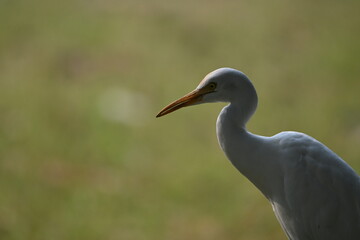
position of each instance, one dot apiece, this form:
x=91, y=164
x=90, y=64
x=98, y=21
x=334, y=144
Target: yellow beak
x=187, y=100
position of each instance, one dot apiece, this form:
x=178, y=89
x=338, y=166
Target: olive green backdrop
x=81, y=153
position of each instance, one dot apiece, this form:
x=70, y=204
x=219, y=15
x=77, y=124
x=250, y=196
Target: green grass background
x=81, y=153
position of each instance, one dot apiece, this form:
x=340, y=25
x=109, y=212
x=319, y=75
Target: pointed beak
x=187, y=100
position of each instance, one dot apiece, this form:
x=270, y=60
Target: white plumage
x=314, y=193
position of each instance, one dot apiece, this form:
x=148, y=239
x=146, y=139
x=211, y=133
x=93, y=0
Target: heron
x=314, y=193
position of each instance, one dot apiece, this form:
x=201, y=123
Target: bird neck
x=243, y=148
x=231, y=129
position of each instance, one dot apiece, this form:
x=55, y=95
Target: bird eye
x=212, y=86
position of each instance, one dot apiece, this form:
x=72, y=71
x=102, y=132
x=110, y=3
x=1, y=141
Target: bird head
x=221, y=85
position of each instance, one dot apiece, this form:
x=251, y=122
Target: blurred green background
x=81, y=153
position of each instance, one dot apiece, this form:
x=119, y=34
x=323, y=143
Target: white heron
x=314, y=193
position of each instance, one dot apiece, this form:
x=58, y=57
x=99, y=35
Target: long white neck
x=245, y=150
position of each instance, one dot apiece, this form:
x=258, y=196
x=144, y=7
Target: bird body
x=314, y=193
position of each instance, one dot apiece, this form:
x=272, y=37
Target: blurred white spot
x=356, y=134
x=125, y=106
